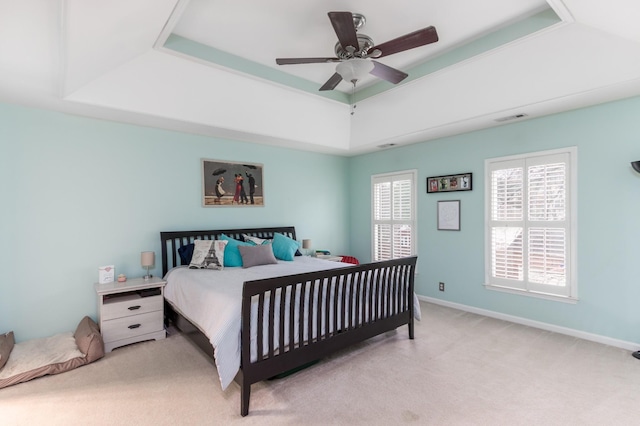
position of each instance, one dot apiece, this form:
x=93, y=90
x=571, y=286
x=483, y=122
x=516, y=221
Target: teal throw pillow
x=232, y=255
x=284, y=248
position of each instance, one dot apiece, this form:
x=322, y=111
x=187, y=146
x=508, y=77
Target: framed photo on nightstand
x=106, y=274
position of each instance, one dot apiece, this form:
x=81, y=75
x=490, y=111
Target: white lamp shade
x=147, y=258
x=306, y=244
x=354, y=69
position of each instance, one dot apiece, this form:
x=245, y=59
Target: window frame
x=390, y=177
x=570, y=290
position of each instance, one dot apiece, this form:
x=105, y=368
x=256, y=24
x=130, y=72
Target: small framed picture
x=449, y=215
x=449, y=183
x=106, y=274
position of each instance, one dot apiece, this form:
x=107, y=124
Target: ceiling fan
x=354, y=51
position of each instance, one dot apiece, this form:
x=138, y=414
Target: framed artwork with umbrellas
x=232, y=184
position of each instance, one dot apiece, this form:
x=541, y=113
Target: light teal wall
x=77, y=193
x=607, y=137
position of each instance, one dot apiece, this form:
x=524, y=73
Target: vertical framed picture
x=231, y=184
x=449, y=215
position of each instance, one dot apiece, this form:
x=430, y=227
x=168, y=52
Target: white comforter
x=212, y=300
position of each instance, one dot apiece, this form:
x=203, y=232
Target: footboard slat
x=391, y=303
x=347, y=293
x=300, y=320
x=282, y=316
x=271, y=329
x=260, y=324
x=335, y=297
x=309, y=302
x=318, y=319
x=377, y=295
x=327, y=311
x=358, y=316
x=370, y=305
x=325, y=306
x=292, y=315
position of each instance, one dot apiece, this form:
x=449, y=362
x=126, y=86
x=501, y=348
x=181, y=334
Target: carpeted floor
x=462, y=369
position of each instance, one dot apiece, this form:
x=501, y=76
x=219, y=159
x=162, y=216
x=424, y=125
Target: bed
x=261, y=321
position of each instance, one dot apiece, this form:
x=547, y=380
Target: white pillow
x=208, y=254
x=255, y=240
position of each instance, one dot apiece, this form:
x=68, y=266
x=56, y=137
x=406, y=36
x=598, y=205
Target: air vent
x=511, y=117
x=386, y=145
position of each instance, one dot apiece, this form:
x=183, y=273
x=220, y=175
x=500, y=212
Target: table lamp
x=147, y=260
x=306, y=245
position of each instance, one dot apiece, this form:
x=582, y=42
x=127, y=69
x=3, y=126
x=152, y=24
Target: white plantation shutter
x=393, y=215
x=547, y=248
x=506, y=252
x=529, y=231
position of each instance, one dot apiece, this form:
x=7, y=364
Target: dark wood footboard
x=301, y=318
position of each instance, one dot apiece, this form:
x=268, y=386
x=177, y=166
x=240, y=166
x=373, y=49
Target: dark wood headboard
x=172, y=241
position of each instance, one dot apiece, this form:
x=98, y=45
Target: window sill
x=546, y=296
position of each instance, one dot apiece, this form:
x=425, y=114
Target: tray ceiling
x=209, y=67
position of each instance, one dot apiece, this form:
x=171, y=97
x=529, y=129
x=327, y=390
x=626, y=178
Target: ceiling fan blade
x=387, y=73
x=345, y=30
x=332, y=82
x=292, y=61
x=408, y=41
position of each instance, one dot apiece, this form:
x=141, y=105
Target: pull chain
x=353, y=97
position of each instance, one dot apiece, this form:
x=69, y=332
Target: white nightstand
x=130, y=312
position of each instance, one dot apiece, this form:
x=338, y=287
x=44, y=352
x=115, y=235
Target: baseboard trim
x=631, y=346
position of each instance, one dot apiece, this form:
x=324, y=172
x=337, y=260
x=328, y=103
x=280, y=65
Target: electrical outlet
x=441, y=286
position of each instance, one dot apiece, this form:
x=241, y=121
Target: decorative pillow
x=255, y=240
x=257, y=255
x=6, y=346
x=208, y=254
x=186, y=253
x=89, y=340
x=231, y=253
x=284, y=248
x=260, y=241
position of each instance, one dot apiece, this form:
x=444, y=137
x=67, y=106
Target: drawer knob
x=134, y=326
x=133, y=308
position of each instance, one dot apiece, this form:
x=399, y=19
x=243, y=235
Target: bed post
x=245, y=354
x=412, y=274
x=411, y=327
x=245, y=392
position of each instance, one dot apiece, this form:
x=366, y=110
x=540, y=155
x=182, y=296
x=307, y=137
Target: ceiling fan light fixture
x=354, y=69
x=353, y=49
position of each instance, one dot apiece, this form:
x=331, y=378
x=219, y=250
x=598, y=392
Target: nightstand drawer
x=133, y=325
x=119, y=307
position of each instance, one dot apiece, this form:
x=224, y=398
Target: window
x=530, y=235
x=394, y=224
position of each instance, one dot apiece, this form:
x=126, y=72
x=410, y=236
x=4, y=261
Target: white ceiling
x=261, y=31
x=109, y=60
